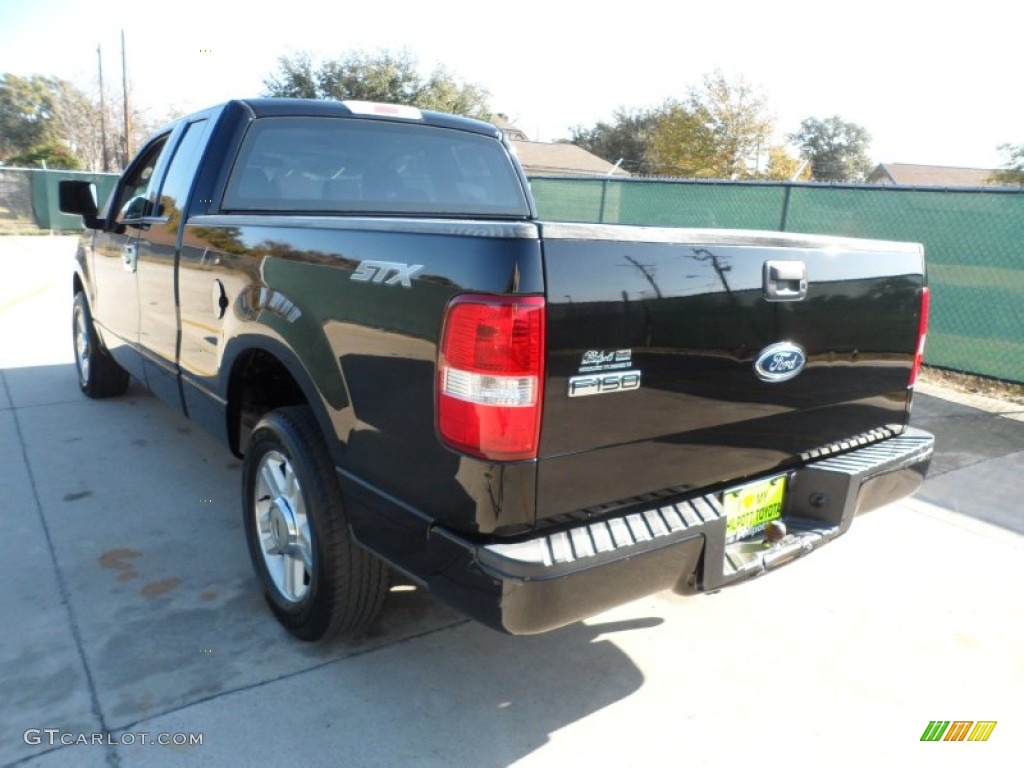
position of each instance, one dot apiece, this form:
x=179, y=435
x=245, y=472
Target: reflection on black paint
x=372, y=342
x=695, y=318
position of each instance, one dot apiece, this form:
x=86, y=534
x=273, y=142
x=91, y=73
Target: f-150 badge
x=605, y=372
x=604, y=383
x=387, y=272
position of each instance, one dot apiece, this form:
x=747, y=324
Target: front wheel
x=318, y=581
x=98, y=373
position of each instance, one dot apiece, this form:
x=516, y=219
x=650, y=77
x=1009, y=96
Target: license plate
x=750, y=507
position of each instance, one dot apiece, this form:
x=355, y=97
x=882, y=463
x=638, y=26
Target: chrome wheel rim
x=81, y=347
x=282, y=527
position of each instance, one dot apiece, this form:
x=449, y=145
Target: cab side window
x=180, y=173
x=136, y=199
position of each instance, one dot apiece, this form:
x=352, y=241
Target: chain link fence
x=973, y=239
x=16, y=214
x=29, y=203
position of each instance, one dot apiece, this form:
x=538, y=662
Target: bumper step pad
x=809, y=526
x=554, y=579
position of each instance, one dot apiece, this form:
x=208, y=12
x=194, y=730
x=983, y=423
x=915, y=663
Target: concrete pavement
x=130, y=607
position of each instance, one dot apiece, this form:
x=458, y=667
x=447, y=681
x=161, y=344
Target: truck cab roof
x=282, y=107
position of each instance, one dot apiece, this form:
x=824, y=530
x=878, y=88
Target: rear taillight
x=490, y=376
x=922, y=331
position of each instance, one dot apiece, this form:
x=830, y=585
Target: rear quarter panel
x=366, y=350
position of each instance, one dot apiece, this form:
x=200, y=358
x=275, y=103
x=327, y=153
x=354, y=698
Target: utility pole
x=645, y=271
x=103, y=113
x=127, y=109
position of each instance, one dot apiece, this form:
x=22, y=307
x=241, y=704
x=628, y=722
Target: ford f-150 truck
x=538, y=421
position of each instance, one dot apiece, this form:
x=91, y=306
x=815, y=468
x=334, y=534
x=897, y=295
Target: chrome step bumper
x=555, y=579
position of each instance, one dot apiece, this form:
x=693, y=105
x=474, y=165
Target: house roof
x=540, y=158
x=511, y=131
x=931, y=175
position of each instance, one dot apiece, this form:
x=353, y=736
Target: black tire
x=295, y=525
x=98, y=374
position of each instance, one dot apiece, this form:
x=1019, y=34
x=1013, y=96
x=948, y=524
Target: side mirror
x=80, y=197
x=137, y=208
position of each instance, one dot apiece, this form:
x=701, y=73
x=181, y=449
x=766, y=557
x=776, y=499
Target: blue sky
x=931, y=85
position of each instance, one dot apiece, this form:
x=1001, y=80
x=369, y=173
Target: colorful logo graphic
x=958, y=730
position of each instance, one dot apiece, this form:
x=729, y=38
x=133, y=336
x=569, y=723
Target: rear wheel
x=98, y=374
x=318, y=580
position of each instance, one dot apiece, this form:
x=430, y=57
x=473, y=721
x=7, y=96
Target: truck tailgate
x=652, y=340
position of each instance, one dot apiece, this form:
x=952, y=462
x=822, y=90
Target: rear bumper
x=546, y=582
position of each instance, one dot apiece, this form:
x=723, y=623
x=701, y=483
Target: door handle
x=130, y=257
x=785, y=280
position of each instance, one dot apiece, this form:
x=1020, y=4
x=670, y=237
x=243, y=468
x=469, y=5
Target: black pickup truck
x=537, y=421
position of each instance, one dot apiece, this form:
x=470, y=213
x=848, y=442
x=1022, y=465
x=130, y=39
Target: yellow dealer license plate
x=750, y=507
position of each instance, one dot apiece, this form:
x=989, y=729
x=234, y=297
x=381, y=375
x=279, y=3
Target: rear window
x=327, y=164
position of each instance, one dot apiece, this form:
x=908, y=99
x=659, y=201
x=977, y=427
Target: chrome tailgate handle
x=785, y=280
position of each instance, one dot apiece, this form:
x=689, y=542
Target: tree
x=26, y=113
x=294, y=78
x=383, y=76
x=626, y=138
x=1012, y=171
x=682, y=145
x=782, y=166
x=718, y=131
x=77, y=122
x=836, y=149
x=443, y=92
x=41, y=115
x=46, y=155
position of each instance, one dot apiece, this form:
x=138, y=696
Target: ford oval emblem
x=779, y=362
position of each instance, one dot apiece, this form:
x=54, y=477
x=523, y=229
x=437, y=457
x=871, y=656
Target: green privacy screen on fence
x=973, y=239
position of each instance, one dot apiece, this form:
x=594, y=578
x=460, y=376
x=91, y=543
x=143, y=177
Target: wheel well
x=259, y=384
x=76, y=285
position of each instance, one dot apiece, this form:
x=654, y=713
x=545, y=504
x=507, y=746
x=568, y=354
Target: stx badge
x=387, y=272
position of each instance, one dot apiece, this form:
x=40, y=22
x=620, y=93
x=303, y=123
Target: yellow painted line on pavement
x=193, y=323
x=25, y=297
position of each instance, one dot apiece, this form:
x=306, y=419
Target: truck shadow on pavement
x=978, y=462
x=132, y=588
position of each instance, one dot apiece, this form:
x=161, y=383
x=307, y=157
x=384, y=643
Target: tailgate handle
x=785, y=280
